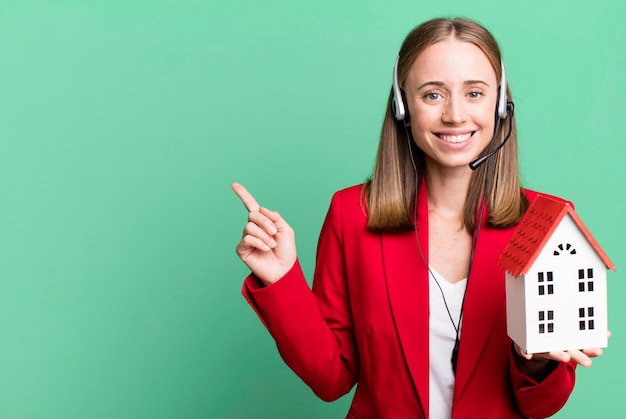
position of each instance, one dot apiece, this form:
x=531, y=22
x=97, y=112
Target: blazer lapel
x=407, y=285
x=484, y=302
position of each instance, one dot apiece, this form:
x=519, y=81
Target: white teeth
x=455, y=138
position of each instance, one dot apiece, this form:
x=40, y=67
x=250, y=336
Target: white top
x=442, y=338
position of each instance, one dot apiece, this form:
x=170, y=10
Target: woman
x=408, y=299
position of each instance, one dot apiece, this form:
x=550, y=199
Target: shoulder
x=349, y=203
x=351, y=193
x=351, y=196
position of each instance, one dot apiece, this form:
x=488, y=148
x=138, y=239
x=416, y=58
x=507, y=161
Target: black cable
x=457, y=327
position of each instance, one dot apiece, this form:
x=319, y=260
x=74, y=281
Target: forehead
x=452, y=61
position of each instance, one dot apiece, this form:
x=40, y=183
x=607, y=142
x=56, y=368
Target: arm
x=541, y=386
x=543, y=382
x=313, y=330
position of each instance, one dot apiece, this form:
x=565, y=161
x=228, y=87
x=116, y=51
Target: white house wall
x=516, y=309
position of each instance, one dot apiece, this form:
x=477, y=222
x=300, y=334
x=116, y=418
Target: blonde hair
x=390, y=192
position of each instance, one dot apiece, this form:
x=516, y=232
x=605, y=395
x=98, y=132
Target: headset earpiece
x=502, y=107
x=398, y=103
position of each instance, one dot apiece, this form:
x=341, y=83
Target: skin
x=267, y=246
x=451, y=93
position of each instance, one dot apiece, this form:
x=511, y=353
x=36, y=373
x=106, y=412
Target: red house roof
x=534, y=230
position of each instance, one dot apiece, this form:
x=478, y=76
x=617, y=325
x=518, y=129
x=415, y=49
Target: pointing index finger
x=248, y=200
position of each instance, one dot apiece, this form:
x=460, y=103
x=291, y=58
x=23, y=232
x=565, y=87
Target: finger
x=248, y=200
x=561, y=356
x=276, y=218
x=526, y=356
x=248, y=244
x=580, y=358
x=521, y=353
x=263, y=221
x=593, y=352
x=254, y=230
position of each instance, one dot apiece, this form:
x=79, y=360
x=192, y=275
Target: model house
x=556, y=287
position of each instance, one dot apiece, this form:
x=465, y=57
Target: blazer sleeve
x=313, y=329
x=542, y=399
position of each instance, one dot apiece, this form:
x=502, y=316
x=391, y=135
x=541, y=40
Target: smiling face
x=451, y=92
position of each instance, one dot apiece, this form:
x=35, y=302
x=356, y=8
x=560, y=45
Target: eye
x=475, y=94
x=432, y=96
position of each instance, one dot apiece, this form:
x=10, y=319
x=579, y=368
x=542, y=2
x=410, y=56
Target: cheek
x=424, y=117
x=485, y=117
x=490, y=123
x=420, y=125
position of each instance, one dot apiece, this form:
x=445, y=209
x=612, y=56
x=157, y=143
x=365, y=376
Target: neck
x=447, y=191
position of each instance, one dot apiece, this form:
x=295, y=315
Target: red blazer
x=365, y=322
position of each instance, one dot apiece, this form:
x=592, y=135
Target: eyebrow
x=465, y=83
x=472, y=82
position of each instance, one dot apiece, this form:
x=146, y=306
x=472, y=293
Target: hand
x=268, y=245
x=581, y=357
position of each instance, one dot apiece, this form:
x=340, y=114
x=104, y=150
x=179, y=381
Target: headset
x=504, y=107
x=400, y=111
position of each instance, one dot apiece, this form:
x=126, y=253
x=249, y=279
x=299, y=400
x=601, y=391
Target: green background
x=123, y=123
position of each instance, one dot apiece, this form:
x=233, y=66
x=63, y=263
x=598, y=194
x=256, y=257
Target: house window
x=545, y=280
x=546, y=321
x=564, y=248
x=585, y=318
x=585, y=280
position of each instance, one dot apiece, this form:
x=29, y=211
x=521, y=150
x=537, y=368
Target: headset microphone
x=503, y=108
x=476, y=163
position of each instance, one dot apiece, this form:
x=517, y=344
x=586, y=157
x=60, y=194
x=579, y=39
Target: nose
x=454, y=111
